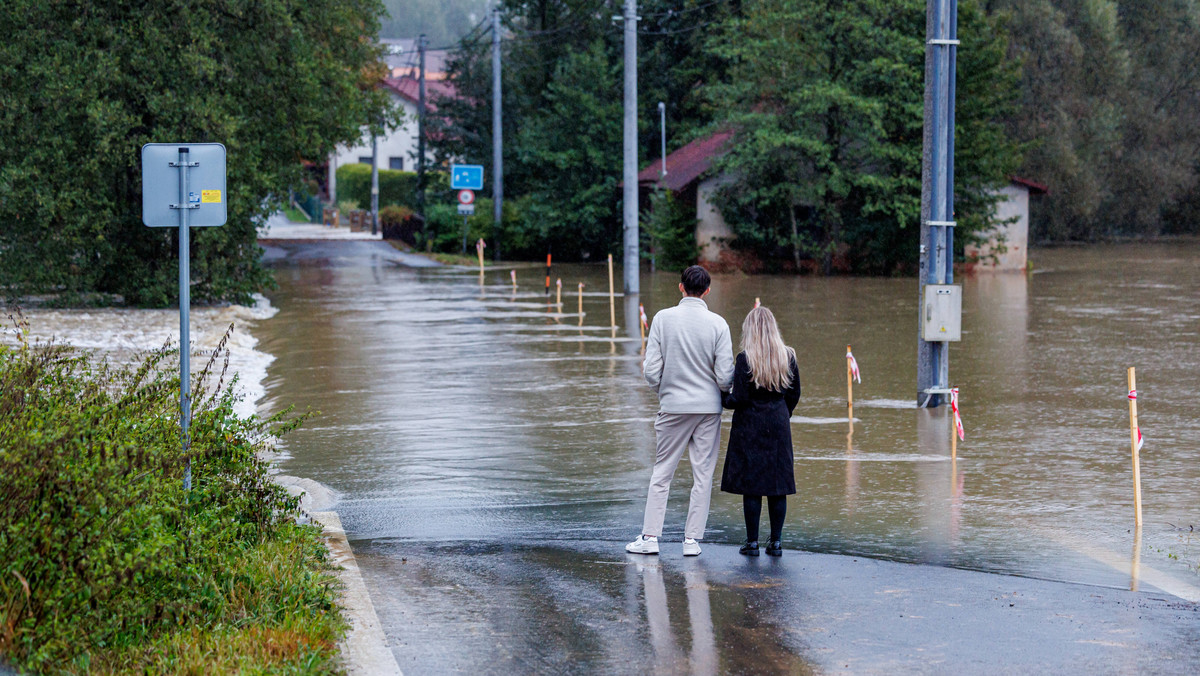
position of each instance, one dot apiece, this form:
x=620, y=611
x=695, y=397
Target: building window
x=365, y=160
x=396, y=163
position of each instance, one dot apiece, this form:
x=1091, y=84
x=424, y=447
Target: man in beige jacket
x=689, y=362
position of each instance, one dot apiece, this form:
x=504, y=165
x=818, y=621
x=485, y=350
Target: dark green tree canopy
x=562, y=88
x=84, y=85
x=825, y=99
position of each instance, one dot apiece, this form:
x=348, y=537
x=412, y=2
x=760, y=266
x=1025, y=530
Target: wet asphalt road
x=588, y=607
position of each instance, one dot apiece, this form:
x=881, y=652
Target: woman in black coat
x=766, y=388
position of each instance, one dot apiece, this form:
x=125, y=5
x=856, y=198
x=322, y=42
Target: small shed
x=1007, y=249
x=687, y=176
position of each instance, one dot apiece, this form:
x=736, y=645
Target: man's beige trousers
x=700, y=434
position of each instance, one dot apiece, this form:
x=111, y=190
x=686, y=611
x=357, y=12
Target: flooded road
x=460, y=421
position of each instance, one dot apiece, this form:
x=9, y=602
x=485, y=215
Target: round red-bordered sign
x=466, y=196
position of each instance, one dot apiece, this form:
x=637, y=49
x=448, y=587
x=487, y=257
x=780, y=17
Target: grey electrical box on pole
x=937, y=194
x=183, y=185
x=942, y=314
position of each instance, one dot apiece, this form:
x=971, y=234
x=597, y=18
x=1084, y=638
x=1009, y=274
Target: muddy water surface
x=458, y=412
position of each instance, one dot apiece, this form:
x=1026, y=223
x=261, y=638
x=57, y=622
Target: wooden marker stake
x=1133, y=445
x=513, y=275
x=849, y=387
x=479, y=246
x=558, y=293
x=547, y=275
x=612, y=303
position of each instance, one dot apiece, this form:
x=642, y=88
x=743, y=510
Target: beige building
x=685, y=175
x=1007, y=249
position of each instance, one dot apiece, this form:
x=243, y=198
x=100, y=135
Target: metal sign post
x=167, y=202
x=466, y=208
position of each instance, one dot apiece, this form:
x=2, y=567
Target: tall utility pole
x=497, y=137
x=421, y=128
x=374, y=183
x=937, y=189
x=630, y=146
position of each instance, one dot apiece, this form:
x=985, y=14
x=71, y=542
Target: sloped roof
x=1033, y=186
x=686, y=164
x=408, y=88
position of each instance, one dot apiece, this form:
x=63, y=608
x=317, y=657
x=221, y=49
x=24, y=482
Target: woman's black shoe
x=750, y=548
x=774, y=548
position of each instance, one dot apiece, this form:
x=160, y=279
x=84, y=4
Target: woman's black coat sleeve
x=792, y=395
x=739, y=394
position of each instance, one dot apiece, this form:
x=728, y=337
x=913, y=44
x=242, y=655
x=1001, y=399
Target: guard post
x=183, y=185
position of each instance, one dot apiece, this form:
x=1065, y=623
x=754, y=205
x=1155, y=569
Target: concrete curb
x=365, y=649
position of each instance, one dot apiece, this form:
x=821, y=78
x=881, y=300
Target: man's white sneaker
x=691, y=547
x=644, y=544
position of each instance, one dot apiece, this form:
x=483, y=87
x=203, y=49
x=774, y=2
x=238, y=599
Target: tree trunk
x=795, y=236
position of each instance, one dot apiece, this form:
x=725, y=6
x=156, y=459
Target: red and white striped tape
x=1140, y=441
x=958, y=426
x=854, y=367
x=480, y=245
x=642, y=313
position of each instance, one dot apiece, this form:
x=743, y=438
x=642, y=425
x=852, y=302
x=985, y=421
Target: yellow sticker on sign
x=210, y=196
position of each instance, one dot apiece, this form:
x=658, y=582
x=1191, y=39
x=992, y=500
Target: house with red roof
x=397, y=147
x=687, y=173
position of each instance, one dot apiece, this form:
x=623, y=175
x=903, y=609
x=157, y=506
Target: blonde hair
x=767, y=356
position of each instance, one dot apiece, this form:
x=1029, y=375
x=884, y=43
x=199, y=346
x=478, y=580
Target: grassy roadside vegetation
x=294, y=215
x=107, y=566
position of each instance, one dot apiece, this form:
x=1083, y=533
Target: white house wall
x=712, y=232
x=400, y=142
x=1009, y=243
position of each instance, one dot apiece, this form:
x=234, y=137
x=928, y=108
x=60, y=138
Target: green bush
x=395, y=187
x=444, y=227
x=107, y=564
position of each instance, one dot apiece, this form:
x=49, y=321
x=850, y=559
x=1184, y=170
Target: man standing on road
x=689, y=362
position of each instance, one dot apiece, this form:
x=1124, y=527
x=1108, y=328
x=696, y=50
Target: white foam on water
x=878, y=457
x=123, y=334
x=804, y=420
x=886, y=403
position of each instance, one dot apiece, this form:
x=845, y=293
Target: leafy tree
x=668, y=230
x=1069, y=111
x=1110, y=108
x=547, y=43
x=84, y=85
x=574, y=205
x=825, y=99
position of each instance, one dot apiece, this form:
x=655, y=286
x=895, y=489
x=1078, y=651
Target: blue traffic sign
x=466, y=177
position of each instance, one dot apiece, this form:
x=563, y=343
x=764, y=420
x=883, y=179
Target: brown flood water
x=452, y=411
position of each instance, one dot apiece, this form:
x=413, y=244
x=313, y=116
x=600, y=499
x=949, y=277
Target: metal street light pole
x=497, y=138
x=662, y=132
x=630, y=207
x=937, y=190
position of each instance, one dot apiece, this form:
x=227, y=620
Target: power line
x=678, y=30
x=677, y=12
